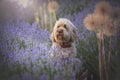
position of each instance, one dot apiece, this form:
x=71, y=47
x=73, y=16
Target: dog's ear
x=74, y=34
x=52, y=37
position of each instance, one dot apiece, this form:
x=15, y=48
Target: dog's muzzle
x=60, y=31
x=60, y=34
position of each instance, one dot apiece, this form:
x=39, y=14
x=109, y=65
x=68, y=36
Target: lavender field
x=25, y=45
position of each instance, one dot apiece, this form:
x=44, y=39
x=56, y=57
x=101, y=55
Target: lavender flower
x=44, y=77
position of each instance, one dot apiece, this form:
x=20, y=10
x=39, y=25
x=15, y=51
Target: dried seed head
x=103, y=8
x=90, y=21
x=52, y=6
x=116, y=15
x=101, y=22
x=110, y=29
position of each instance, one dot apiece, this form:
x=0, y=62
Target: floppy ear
x=73, y=34
x=52, y=37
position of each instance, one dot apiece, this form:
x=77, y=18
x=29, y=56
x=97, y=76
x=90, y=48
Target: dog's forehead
x=61, y=24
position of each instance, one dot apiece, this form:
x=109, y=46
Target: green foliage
x=89, y=52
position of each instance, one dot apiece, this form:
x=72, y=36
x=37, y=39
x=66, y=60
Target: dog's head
x=64, y=31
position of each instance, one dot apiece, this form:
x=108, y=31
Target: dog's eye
x=65, y=26
x=58, y=26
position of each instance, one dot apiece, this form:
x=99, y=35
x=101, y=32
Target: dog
x=63, y=37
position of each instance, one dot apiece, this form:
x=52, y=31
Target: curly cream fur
x=66, y=40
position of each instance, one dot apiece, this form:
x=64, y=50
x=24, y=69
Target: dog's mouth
x=60, y=37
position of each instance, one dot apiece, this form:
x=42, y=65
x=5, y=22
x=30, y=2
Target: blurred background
x=25, y=45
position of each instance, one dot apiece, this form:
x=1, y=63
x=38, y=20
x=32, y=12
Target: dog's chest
x=67, y=52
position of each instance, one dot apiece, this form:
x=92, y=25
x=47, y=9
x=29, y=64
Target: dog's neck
x=65, y=45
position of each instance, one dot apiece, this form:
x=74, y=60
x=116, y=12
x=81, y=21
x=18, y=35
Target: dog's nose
x=60, y=31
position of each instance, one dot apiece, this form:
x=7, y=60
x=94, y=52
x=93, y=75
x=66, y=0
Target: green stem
x=104, y=60
x=109, y=54
x=45, y=16
x=51, y=22
x=54, y=14
x=100, y=62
